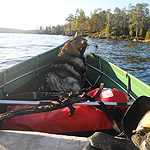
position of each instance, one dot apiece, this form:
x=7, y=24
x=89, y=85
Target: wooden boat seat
x=25, y=140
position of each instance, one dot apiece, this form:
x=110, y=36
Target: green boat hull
x=18, y=78
x=115, y=77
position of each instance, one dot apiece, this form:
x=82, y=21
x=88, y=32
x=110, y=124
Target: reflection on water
x=133, y=57
x=15, y=48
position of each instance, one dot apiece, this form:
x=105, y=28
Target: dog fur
x=67, y=72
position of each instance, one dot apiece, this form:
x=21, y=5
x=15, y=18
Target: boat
x=17, y=80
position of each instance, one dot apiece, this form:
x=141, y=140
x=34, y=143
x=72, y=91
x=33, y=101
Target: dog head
x=75, y=47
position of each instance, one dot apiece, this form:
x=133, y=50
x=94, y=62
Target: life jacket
x=85, y=118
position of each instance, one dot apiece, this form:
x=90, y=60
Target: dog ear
x=76, y=34
x=82, y=46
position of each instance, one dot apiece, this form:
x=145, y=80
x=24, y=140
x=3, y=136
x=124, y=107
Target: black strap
x=105, y=110
x=100, y=90
x=102, y=107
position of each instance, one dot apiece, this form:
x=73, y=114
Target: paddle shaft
x=12, y=102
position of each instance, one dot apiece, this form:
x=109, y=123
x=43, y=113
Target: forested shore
x=123, y=23
x=132, y=23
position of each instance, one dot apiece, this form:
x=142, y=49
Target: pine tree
x=138, y=15
x=70, y=19
x=141, y=31
x=107, y=30
x=81, y=20
x=147, y=37
x=131, y=33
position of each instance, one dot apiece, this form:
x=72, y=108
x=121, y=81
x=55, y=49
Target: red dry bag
x=85, y=118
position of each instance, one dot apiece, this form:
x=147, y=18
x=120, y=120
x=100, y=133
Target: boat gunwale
x=98, y=69
x=113, y=81
x=37, y=69
x=130, y=87
x=34, y=70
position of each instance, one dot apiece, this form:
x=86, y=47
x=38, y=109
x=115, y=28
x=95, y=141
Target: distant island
x=9, y=30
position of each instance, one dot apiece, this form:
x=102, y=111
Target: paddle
x=44, y=106
x=22, y=102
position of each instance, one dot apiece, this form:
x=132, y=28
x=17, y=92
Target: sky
x=31, y=14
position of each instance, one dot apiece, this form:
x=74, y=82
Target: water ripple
x=133, y=57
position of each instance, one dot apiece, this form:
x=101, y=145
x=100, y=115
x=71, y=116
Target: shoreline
x=97, y=36
x=115, y=37
x=111, y=36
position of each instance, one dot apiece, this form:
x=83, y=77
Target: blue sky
x=31, y=14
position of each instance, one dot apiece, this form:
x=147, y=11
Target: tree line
x=133, y=21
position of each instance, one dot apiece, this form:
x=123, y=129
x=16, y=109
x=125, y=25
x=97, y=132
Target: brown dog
x=67, y=72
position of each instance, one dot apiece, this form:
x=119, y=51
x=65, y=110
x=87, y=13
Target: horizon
x=31, y=14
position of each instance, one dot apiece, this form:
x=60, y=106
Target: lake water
x=134, y=57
